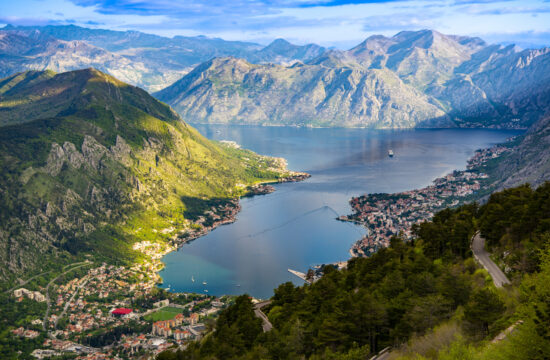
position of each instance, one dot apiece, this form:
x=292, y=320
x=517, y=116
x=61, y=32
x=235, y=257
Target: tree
x=483, y=309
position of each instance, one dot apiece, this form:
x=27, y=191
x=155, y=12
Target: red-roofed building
x=121, y=312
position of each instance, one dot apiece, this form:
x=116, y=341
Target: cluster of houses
x=24, y=293
x=168, y=328
x=26, y=333
x=388, y=215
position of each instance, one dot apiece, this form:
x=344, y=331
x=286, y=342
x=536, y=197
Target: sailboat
x=192, y=278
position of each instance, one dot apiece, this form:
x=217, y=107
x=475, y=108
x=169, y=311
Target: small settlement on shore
x=387, y=215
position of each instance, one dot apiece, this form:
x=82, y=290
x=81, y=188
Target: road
x=69, y=302
x=48, y=301
x=266, y=325
x=383, y=354
x=482, y=256
x=23, y=283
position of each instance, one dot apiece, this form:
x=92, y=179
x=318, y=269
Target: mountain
x=33, y=50
x=415, y=78
x=528, y=161
x=230, y=90
x=149, y=61
x=281, y=51
x=90, y=165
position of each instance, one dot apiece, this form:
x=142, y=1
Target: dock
x=301, y=275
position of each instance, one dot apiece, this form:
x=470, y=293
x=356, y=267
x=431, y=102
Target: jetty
x=303, y=276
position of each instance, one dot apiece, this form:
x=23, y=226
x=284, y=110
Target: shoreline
x=385, y=215
x=194, y=124
x=225, y=213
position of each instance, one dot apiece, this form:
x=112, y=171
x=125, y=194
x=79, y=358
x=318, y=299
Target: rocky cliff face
x=420, y=78
x=89, y=164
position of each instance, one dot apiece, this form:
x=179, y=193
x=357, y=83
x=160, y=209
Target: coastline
x=386, y=215
x=223, y=214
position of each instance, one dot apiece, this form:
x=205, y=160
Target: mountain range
x=413, y=79
x=149, y=61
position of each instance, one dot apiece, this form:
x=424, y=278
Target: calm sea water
x=295, y=226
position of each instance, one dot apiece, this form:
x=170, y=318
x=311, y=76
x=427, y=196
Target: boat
x=238, y=285
x=192, y=278
x=390, y=153
x=205, y=290
x=204, y=282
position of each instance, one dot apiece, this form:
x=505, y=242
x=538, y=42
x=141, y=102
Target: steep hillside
x=529, y=161
x=422, y=299
x=90, y=164
x=230, y=90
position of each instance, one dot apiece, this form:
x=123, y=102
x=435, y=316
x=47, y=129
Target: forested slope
x=424, y=298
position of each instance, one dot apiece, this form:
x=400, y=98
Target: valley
x=158, y=192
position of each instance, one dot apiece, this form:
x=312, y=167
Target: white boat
x=204, y=282
x=390, y=153
x=205, y=290
x=192, y=278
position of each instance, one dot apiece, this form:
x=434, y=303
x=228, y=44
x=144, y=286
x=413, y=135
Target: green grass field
x=165, y=313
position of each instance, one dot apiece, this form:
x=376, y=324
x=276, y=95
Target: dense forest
x=425, y=298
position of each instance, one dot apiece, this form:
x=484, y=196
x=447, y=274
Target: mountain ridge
x=424, y=78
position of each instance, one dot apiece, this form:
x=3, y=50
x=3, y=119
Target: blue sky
x=339, y=23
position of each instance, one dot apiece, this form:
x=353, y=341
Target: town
x=111, y=312
x=388, y=215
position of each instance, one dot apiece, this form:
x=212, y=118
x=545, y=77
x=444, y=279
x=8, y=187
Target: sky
x=332, y=23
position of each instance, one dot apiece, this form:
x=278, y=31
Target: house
x=121, y=313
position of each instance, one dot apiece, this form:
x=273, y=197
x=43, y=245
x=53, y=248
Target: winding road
x=266, y=325
x=482, y=256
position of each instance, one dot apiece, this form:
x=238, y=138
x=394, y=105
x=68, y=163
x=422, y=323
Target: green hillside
x=426, y=299
x=91, y=164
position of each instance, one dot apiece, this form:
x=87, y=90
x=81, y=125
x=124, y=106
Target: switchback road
x=482, y=256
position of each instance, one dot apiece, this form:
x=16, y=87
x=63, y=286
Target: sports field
x=165, y=313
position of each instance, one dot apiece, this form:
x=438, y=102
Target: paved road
x=48, y=301
x=266, y=325
x=482, y=256
x=383, y=354
x=69, y=303
x=23, y=283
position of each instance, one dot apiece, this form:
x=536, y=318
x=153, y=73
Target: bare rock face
x=61, y=155
x=55, y=161
x=121, y=151
x=93, y=152
x=74, y=157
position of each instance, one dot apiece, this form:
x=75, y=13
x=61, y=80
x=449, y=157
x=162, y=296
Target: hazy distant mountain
x=281, y=51
x=149, y=61
x=415, y=78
